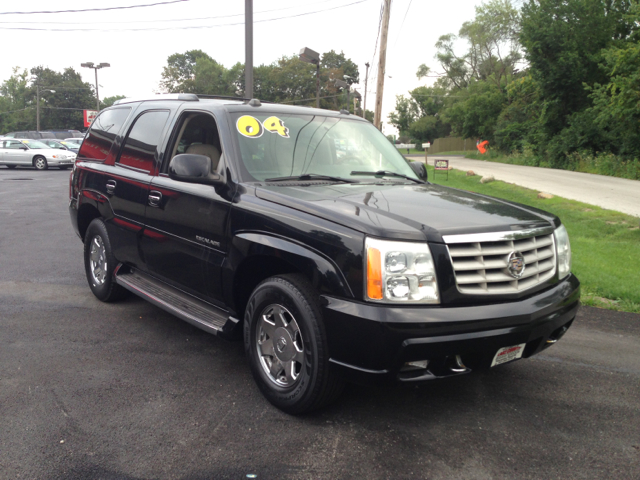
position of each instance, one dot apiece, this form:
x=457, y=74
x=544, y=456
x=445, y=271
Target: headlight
x=400, y=272
x=60, y=157
x=564, y=251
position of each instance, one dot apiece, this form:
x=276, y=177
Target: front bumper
x=57, y=162
x=374, y=342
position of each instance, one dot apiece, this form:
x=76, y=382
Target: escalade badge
x=515, y=264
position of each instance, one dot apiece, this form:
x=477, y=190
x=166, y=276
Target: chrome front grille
x=480, y=262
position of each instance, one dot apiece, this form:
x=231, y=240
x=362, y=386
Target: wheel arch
x=91, y=205
x=254, y=257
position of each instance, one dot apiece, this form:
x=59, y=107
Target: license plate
x=507, y=354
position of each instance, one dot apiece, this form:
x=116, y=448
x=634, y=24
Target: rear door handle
x=154, y=198
x=111, y=186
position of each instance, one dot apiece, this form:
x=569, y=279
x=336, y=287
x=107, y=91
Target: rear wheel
x=40, y=163
x=286, y=345
x=99, y=263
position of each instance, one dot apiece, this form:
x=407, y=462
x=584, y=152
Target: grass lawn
x=605, y=244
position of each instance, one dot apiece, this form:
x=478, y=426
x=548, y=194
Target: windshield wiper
x=310, y=176
x=387, y=173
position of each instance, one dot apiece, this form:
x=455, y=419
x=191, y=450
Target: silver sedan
x=24, y=152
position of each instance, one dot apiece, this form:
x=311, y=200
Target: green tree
x=563, y=42
x=475, y=115
x=617, y=101
x=493, y=47
x=404, y=115
x=108, y=101
x=63, y=97
x=16, y=109
x=178, y=76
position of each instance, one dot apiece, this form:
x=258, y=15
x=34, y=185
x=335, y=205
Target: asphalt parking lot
x=127, y=391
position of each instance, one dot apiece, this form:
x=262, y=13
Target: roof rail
x=221, y=97
x=183, y=97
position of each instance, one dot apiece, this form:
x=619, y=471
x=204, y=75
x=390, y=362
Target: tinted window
x=103, y=133
x=140, y=146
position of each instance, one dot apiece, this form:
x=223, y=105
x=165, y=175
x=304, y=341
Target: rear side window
x=103, y=132
x=142, y=142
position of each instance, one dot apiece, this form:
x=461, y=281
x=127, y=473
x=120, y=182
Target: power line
x=96, y=9
x=402, y=25
x=312, y=98
x=14, y=111
x=171, y=19
x=191, y=27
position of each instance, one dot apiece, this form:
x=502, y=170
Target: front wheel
x=286, y=345
x=99, y=263
x=40, y=163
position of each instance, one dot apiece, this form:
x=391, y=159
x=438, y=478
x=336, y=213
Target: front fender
x=321, y=271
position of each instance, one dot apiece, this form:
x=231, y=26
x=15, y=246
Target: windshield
x=274, y=146
x=35, y=144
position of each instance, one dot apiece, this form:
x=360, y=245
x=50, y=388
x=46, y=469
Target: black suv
x=308, y=235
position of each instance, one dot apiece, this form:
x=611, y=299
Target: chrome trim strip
x=497, y=236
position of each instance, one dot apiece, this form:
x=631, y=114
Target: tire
x=11, y=166
x=99, y=263
x=286, y=345
x=40, y=163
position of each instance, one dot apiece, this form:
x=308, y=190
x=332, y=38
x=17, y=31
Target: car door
x=17, y=153
x=127, y=183
x=184, y=242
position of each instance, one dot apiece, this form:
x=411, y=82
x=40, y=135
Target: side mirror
x=22, y=147
x=419, y=169
x=191, y=168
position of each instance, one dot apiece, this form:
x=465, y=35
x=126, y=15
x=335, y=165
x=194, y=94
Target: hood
x=409, y=212
x=50, y=152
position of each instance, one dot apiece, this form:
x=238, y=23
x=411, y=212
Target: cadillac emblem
x=515, y=264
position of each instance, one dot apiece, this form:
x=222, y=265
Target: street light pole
x=96, y=68
x=366, y=79
x=37, y=108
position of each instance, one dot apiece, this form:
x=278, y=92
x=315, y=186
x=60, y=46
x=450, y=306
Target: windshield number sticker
x=251, y=127
x=275, y=125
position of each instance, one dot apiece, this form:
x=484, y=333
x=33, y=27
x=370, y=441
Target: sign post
x=426, y=148
x=89, y=116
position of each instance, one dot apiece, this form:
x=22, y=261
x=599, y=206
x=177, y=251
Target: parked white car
x=73, y=143
x=25, y=152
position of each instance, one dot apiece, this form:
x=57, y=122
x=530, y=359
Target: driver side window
x=197, y=133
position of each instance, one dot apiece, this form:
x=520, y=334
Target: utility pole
x=248, y=49
x=382, y=62
x=37, y=108
x=366, y=79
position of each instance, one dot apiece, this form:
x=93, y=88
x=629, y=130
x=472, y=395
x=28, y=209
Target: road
x=619, y=194
x=127, y=391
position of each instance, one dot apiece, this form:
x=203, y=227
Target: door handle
x=111, y=186
x=154, y=198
